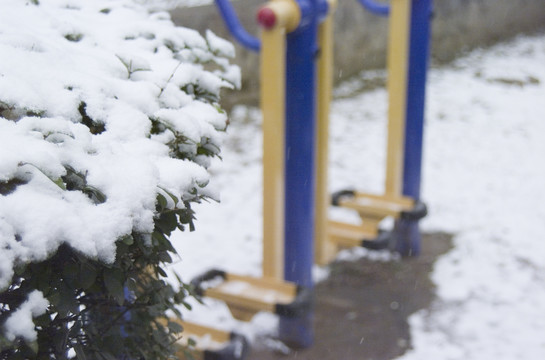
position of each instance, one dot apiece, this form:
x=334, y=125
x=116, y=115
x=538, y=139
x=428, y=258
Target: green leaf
x=67, y=302
x=128, y=239
x=158, y=238
x=132, y=284
x=87, y=275
x=55, y=298
x=161, y=272
x=167, y=222
x=175, y=327
x=191, y=342
x=111, y=342
x=174, y=198
x=179, y=296
x=162, y=201
x=165, y=257
x=80, y=353
x=42, y=320
x=113, y=280
x=57, y=182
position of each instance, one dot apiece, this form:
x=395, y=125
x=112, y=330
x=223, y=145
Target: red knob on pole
x=266, y=17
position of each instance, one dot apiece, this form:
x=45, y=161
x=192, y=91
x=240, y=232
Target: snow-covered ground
x=484, y=181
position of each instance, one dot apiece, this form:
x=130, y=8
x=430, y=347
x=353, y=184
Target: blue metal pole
x=300, y=143
x=407, y=229
x=302, y=51
x=375, y=8
x=235, y=27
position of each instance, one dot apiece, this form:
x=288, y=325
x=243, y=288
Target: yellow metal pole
x=324, y=250
x=273, y=108
x=398, y=62
x=273, y=97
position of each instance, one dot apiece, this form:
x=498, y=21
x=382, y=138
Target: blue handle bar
x=235, y=27
x=375, y=8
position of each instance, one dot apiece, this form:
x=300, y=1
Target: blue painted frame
x=407, y=230
x=235, y=27
x=376, y=8
x=300, y=155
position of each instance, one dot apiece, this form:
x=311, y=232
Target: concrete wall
x=360, y=37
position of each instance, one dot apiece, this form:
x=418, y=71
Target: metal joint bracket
x=382, y=241
x=419, y=211
x=279, y=13
x=301, y=305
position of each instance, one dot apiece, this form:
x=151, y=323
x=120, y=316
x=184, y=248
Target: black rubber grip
x=337, y=196
x=238, y=348
x=196, y=283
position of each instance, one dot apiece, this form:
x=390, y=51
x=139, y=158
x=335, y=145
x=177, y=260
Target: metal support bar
x=375, y=8
x=302, y=49
x=286, y=16
x=324, y=248
x=398, y=58
x=273, y=108
x=407, y=231
x=416, y=95
x=235, y=27
x=302, y=52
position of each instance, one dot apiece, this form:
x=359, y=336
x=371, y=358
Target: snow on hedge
x=20, y=321
x=105, y=94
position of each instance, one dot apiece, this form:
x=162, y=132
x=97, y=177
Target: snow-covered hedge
x=108, y=118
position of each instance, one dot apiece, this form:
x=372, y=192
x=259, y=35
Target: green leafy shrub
x=108, y=118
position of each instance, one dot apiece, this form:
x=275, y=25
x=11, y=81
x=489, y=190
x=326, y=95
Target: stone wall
x=360, y=37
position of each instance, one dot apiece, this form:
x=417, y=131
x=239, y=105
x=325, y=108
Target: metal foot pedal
x=345, y=235
x=372, y=210
x=348, y=235
x=373, y=206
x=209, y=343
x=246, y=296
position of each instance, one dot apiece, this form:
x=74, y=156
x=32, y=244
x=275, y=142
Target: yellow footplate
x=245, y=296
x=376, y=206
x=372, y=209
x=205, y=343
x=348, y=235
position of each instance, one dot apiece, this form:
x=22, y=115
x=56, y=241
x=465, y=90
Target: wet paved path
x=363, y=307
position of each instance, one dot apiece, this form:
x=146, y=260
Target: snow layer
x=483, y=181
x=19, y=323
x=171, y=4
x=80, y=84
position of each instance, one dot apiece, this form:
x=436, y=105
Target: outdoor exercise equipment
x=296, y=45
x=289, y=48
x=406, y=64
